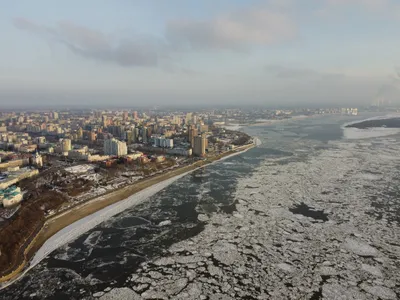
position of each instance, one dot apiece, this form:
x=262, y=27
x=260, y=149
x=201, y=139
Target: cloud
x=284, y=72
x=382, y=8
x=294, y=73
x=389, y=92
x=133, y=51
x=232, y=31
x=370, y=4
x=191, y=72
x=397, y=69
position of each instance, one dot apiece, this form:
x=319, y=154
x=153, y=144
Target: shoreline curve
x=67, y=226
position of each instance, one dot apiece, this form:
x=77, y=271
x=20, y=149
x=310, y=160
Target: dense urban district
x=54, y=161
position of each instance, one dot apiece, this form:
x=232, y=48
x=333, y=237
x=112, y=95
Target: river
x=260, y=192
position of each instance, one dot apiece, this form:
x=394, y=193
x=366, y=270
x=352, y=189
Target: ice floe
x=302, y=230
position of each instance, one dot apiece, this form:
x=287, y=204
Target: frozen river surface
x=310, y=214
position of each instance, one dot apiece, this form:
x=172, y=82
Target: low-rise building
x=16, y=176
x=15, y=162
x=28, y=148
x=96, y=157
x=159, y=158
x=144, y=159
x=180, y=151
x=10, y=196
x=135, y=155
x=40, y=140
x=13, y=169
x=79, y=154
x=37, y=160
x=109, y=163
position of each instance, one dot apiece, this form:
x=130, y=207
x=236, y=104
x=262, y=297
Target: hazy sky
x=131, y=52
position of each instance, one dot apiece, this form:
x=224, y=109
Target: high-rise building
x=80, y=133
x=154, y=128
x=105, y=120
x=115, y=147
x=130, y=136
x=163, y=142
x=136, y=131
x=149, y=131
x=203, y=128
x=176, y=120
x=125, y=116
x=144, y=135
x=192, y=133
x=188, y=118
x=66, y=145
x=55, y=115
x=135, y=115
x=117, y=131
x=92, y=136
x=97, y=114
x=200, y=145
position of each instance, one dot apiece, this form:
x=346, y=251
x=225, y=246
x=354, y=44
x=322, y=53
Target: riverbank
x=59, y=222
x=374, y=123
x=372, y=127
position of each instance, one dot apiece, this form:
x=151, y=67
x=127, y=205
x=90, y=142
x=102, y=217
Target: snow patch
x=356, y=133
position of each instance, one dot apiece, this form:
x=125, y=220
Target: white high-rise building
x=115, y=147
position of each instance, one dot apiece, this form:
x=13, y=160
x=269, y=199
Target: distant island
x=388, y=123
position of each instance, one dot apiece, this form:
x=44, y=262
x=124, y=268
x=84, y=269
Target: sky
x=175, y=52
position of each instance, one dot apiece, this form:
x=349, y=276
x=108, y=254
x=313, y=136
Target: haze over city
x=210, y=149
x=190, y=52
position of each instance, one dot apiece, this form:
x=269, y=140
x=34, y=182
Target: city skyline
x=127, y=53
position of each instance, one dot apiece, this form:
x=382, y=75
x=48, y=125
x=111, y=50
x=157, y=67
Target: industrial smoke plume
x=390, y=92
